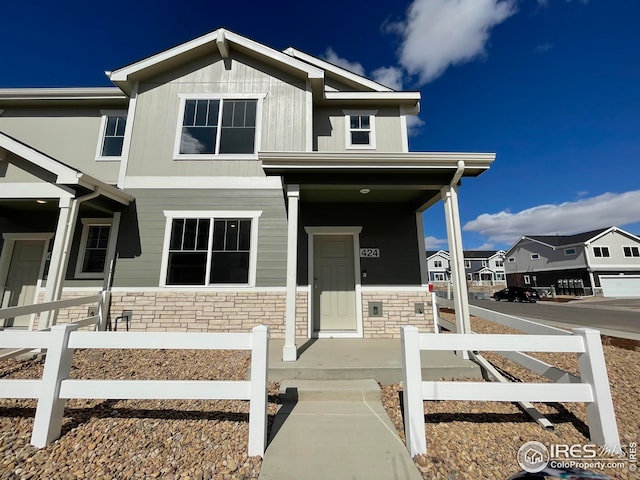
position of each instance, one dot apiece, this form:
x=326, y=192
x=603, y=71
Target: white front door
x=22, y=278
x=334, y=296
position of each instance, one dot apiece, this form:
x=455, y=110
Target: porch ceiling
x=415, y=178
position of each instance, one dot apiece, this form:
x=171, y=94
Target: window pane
x=198, y=140
x=202, y=111
x=227, y=113
x=186, y=268
x=111, y=126
x=230, y=267
x=245, y=235
x=214, y=107
x=189, y=242
x=237, y=140
x=355, y=121
x=250, y=113
x=364, y=121
x=360, y=138
x=94, y=261
x=189, y=113
x=121, y=123
x=203, y=234
x=112, y=146
x=231, y=239
x=219, y=231
x=177, y=227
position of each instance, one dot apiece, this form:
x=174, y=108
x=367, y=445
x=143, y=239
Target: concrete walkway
x=335, y=430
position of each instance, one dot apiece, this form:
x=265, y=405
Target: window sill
x=235, y=157
x=108, y=159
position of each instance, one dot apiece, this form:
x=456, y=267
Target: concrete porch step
x=329, y=390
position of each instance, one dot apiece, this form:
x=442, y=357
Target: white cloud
x=389, y=77
x=331, y=56
x=485, y=246
x=434, y=243
x=608, y=209
x=441, y=33
x=543, y=48
x=414, y=124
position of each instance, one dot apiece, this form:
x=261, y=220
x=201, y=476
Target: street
x=621, y=315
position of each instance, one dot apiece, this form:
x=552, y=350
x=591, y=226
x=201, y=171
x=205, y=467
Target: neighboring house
x=223, y=184
x=482, y=267
x=604, y=261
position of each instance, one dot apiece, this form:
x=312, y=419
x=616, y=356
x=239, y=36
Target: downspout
x=60, y=260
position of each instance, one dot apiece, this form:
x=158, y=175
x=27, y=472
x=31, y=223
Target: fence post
x=413, y=408
x=601, y=417
x=103, y=309
x=258, y=400
x=436, y=312
x=50, y=410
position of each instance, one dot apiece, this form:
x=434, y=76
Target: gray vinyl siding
x=18, y=170
x=65, y=134
x=389, y=227
x=550, y=259
x=283, y=119
x=141, y=236
x=329, y=133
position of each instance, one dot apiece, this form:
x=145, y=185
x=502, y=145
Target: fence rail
x=55, y=388
x=592, y=387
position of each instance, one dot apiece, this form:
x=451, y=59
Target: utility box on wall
x=375, y=309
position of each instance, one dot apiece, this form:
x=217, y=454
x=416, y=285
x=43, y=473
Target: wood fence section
x=55, y=387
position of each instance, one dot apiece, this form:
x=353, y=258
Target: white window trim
x=535, y=256
x=86, y=223
x=601, y=247
x=103, y=128
x=631, y=247
x=570, y=251
x=511, y=260
x=526, y=279
x=467, y=264
x=183, y=97
x=372, y=130
x=254, y=215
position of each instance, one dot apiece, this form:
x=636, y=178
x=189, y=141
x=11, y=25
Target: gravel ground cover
x=480, y=440
x=111, y=439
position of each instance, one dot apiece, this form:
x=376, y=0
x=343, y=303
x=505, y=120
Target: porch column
x=454, y=234
x=60, y=254
x=289, y=351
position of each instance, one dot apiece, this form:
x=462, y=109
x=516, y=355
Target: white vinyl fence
x=55, y=387
x=592, y=387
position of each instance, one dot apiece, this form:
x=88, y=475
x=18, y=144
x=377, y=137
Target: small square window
x=112, y=132
x=569, y=251
x=360, y=129
x=535, y=256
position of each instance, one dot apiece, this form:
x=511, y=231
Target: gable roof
x=222, y=42
x=560, y=241
x=64, y=174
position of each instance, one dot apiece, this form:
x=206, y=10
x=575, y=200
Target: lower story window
x=210, y=250
x=94, y=244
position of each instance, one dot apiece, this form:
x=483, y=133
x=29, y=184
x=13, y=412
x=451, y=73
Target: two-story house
x=223, y=184
x=604, y=261
x=482, y=267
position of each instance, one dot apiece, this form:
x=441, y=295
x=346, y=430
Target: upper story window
x=211, y=127
x=631, y=251
x=499, y=263
x=94, y=243
x=535, y=256
x=511, y=259
x=467, y=264
x=601, y=252
x=437, y=263
x=569, y=251
x=360, y=129
x=112, y=132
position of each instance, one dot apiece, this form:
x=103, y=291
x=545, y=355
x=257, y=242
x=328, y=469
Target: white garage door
x=620, y=285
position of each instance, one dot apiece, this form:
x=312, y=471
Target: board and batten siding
x=141, y=236
x=69, y=135
x=283, y=119
x=329, y=129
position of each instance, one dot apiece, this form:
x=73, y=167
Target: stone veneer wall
x=398, y=310
x=175, y=311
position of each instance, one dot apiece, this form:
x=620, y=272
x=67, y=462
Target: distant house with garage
x=599, y=262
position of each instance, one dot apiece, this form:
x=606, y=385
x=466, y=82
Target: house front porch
x=351, y=358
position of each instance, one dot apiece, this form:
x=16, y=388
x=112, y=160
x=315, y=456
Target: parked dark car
x=517, y=294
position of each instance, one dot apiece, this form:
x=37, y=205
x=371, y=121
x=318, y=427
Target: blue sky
x=551, y=86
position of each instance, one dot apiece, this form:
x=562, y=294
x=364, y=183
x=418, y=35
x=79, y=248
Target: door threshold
x=337, y=334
